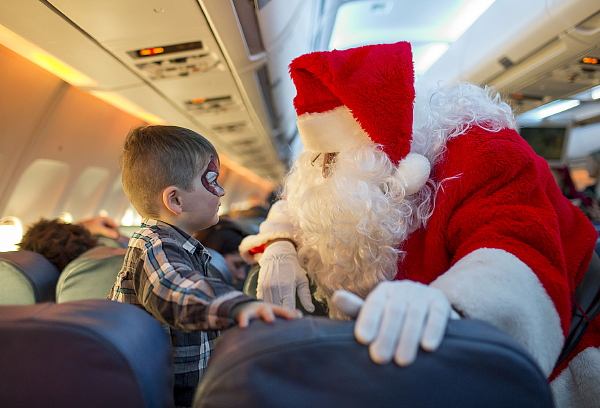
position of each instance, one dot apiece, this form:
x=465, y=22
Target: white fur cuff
x=494, y=285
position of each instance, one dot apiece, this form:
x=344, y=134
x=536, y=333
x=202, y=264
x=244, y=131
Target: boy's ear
x=172, y=200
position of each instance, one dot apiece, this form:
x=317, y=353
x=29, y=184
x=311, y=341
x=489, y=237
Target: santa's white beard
x=352, y=222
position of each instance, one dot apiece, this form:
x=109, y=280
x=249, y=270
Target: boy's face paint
x=209, y=178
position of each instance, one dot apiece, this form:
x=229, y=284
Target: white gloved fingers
x=267, y=288
x=437, y=320
x=410, y=333
x=304, y=295
x=287, y=302
x=399, y=317
x=383, y=348
x=370, y=315
x=347, y=302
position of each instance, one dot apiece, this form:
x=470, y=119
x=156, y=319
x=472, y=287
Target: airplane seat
x=87, y=353
x=111, y=242
x=218, y=268
x=91, y=275
x=26, y=277
x=316, y=361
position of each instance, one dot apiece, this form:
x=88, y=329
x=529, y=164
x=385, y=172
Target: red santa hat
x=349, y=97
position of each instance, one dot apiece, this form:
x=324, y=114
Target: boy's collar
x=188, y=242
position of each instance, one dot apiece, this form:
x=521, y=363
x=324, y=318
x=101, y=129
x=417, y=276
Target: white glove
x=396, y=317
x=281, y=275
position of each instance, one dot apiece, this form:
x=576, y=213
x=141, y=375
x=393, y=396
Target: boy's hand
x=266, y=312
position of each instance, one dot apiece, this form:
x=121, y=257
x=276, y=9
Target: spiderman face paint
x=209, y=178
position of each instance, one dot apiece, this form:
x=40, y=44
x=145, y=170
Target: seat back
x=88, y=353
x=218, y=268
x=91, y=275
x=317, y=362
x=26, y=278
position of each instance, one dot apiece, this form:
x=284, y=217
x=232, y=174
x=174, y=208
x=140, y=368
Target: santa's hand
x=281, y=275
x=396, y=318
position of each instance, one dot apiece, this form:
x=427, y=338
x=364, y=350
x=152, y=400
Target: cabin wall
x=59, y=145
x=60, y=148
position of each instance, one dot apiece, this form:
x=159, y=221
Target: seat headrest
x=26, y=277
x=317, y=362
x=89, y=353
x=91, y=275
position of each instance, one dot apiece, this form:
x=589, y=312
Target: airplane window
x=131, y=217
x=66, y=217
x=38, y=190
x=87, y=192
x=11, y=232
x=115, y=201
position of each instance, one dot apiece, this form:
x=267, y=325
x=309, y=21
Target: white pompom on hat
x=347, y=97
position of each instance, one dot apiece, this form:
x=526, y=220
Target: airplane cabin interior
x=76, y=76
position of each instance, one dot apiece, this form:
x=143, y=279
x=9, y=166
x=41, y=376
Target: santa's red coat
x=507, y=247
x=503, y=197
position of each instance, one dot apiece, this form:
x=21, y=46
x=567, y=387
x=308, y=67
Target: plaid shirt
x=165, y=273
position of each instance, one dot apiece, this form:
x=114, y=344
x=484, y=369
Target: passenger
x=251, y=218
x=170, y=176
x=452, y=216
x=60, y=242
x=225, y=238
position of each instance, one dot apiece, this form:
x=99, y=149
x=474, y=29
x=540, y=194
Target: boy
x=170, y=176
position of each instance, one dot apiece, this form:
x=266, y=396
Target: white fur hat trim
x=335, y=130
x=414, y=171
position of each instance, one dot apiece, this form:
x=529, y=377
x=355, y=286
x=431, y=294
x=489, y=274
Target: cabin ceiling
x=229, y=79
x=219, y=78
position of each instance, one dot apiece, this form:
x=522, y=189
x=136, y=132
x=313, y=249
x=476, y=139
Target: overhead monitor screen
x=548, y=142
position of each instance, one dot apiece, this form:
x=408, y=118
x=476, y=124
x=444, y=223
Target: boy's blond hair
x=155, y=157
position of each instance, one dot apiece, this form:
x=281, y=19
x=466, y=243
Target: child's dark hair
x=59, y=241
x=155, y=157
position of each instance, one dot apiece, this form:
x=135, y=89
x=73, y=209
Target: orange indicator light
x=152, y=51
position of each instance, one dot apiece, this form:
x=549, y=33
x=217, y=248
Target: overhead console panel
x=535, y=59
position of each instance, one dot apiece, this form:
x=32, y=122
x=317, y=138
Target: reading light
x=556, y=107
x=595, y=93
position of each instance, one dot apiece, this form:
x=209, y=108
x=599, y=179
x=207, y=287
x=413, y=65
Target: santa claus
x=408, y=224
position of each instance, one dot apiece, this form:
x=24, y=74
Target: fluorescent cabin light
x=378, y=21
x=126, y=105
x=465, y=17
x=556, y=107
x=595, y=93
x=428, y=55
x=43, y=59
